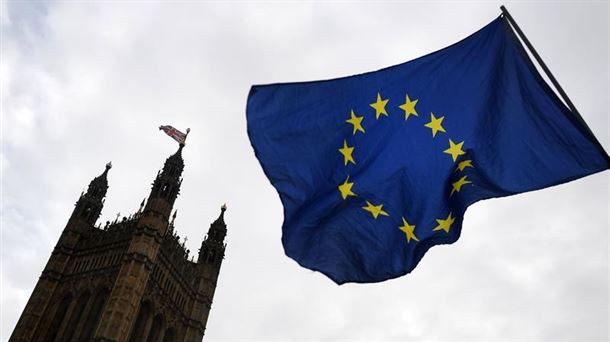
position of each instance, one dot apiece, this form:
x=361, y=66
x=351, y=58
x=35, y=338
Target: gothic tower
x=130, y=280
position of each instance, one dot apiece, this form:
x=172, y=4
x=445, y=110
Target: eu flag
x=375, y=169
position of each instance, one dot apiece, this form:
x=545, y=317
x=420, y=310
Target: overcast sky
x=87, y=83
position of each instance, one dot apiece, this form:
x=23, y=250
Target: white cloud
x=5, y=20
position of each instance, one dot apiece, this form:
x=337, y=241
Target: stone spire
x=89, y=205
x=213, y=246
x=166, y=186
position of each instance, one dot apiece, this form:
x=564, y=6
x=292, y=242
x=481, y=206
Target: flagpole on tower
x=188, y=130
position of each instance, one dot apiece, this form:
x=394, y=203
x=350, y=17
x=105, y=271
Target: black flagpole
x=529, y=46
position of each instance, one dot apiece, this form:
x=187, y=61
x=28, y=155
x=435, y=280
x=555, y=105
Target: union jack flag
x=174, y=133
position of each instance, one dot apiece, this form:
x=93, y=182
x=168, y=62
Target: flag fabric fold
x=174, y=133
x=374, y=169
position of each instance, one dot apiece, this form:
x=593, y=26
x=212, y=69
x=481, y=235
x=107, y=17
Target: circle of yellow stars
x=455, y=150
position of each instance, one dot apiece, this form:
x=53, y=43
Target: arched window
x=137, y=331
x=170, y=335
x=94, y=314
x=76, y=316
x=156, y=329
x=58, y=317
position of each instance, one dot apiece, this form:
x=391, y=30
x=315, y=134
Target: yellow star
x=457, y=186
x=435, y=124
x=455, y=150
x=356, y=121
x=346, y=189
x=409, y=230
x=379, y=106
x=444, y=224
x=375, y=209
x=409, y=107
x=464, y=164
x=346, y=151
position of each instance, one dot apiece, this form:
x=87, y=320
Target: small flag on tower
x=174, y=133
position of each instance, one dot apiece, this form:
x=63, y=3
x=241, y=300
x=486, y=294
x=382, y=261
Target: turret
x=89, y=206
x=86, y=212
x=213, y=246
x=166, y=185
x=209, y=261
x=137, y=265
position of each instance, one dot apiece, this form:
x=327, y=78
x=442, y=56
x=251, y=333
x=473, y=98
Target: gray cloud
x=85, y=83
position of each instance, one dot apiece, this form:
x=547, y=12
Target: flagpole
x=539, y=60
x=547, y=71
x=188, y=130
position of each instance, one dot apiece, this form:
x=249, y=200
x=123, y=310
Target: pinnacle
x=221, y=217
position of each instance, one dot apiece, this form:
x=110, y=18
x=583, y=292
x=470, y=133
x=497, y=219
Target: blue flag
x=375, y=169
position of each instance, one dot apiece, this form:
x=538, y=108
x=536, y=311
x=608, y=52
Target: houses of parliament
x=127, y=280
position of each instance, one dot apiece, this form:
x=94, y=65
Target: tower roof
x=221, y=218
x=174, y=165
x=218, y=229
x=99, y=184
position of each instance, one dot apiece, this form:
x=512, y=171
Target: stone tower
x=130, y=280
